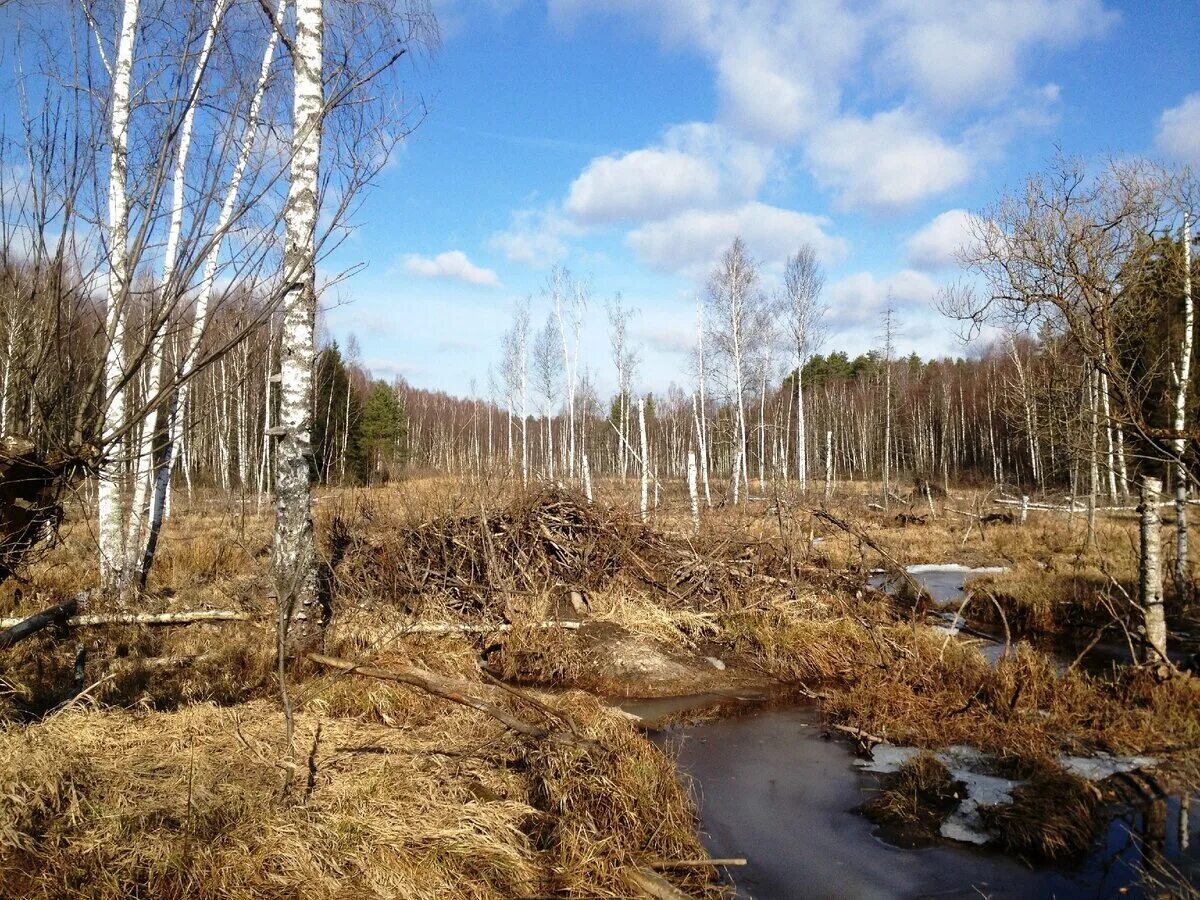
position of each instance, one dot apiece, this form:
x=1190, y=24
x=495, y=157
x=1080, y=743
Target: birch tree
x=803, y=312
x=110, y=498
x=294, y=557
x=187, y=363
x=737, y=317
x=1182, y=377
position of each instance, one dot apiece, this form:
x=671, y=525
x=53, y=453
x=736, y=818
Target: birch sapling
x=144, y=460
x=177, y=405
x=801, y=300
x=702, y=420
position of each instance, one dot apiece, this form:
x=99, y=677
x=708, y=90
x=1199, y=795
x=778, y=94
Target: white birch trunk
x=828, y=464
x=144, y=460
x=1150, y=580
x=693, y=491
x=1182, y=383
x=703, y=413
x=177, y=407
x=110, y=496
x=801, y=438
x=645, y=459
x=1110, y=443
x=294, y=558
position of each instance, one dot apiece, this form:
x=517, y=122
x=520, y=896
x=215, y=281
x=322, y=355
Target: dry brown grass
x=916, y=798
x=420, y=799
x=1055, y=816
x=102, y=803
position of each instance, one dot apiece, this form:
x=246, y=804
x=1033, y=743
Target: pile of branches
x=542, y=538
x=545, y=538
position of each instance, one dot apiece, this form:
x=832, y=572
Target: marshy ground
x=156, y=761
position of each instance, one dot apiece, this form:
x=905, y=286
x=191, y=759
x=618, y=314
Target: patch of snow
x=886, y=758
x=1104, y=765
x=715, y=663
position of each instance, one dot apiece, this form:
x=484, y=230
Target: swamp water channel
x=773, y=787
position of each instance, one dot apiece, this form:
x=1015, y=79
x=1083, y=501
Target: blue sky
x=630, y=140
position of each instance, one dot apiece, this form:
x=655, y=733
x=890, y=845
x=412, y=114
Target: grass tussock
x=1054, y=817
x=916, y=798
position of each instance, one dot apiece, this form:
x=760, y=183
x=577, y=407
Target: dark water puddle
x=771, y=788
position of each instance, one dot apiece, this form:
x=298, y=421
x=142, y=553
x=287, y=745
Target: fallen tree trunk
x=455, y=691
x=17, y=630
x=88, y=621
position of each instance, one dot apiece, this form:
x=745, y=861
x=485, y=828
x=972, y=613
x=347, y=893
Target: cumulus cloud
x=695, y=164
x=1178, y=133
x=787, y=75
x=937, y=244
x=453, y=264
x=886, y=162
x=641, y=184
x=957, y=54
x=859, y=300
x=535, y=237
x=689, y=242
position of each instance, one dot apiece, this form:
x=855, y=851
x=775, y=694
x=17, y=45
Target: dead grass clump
x=104, y=804
x=608, y=811
x=1055, y=817
x=112, y=804
x=799, y=648
x=916, y=798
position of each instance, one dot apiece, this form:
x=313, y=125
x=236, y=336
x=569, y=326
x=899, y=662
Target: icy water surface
x=771, y=788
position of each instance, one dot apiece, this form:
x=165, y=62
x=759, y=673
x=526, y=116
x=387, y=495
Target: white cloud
x=937, y=244
x=640, y=185
x=695, y=165
x=799, y=75
x=535, y=237
x=957, y=54
x=452, y=264
x=692, y=241
x=1178, y=133
x=886, y=162
x=858, y=300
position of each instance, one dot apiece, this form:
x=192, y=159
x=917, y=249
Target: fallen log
x=17, y=630
x=455, y=691
x=89, y=621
